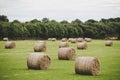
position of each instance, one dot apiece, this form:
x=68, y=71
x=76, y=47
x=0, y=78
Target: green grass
x=13, y=62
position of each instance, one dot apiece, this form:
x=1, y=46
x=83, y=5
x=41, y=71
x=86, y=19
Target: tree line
x=45, y=28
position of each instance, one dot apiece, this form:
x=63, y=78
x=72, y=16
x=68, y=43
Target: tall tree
x=3, y=18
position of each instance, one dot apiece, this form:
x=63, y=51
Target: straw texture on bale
x=87, y=65
x=66, y=54
x=40, y=46
x=88, y=39
x=63, y=44
x=80, y=40
x=38, y=61
x=54, y=39
x=64, y=39
x=49, y=39
x=10, y=45
x=109, y=43
x=73, y=40
x=5, y=39
x=81, y=45
x=69, y=40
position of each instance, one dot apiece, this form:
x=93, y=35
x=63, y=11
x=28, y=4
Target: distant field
x=13, y=62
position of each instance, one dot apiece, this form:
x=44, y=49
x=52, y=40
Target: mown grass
x=13, y=62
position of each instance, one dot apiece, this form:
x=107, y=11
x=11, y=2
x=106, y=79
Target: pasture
x=13, y=61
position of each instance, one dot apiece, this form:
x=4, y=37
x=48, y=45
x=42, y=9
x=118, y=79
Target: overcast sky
x=26, y=10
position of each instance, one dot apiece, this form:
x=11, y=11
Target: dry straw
x=81, y=45
x=63, y=44
x=73, y=40
x=49, y=39
x=88, y=39
x=5, y=39
x=66, y=54
x=64, y=39
x=109, y=43
x=38, y=61
x=54, y=39
x=10, y=45
x=87, y=65
x=40, y=46
x=80, y=39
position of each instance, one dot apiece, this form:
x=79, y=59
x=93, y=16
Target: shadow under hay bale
x=66, y=54
x=81, y=45
x=38, y=61
x=40, y=46
x=63, y=44
x=108, y=43
x=87, y=65
x=10, y=45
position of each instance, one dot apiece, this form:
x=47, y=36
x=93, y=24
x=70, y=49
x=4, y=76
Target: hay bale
x=40, y=46
x=49, y=39
x=80, y=40
x=69, y=40
x=63, y=44
x=87, y=65
x=108, y=43
x=73, y=40
x=111, y=38
x=38, y=61
x=88, y=39
x=66, y=54
x=81, y=45
x=10, y=44
x=64, y=39
x=54, y=39
x=5, y=39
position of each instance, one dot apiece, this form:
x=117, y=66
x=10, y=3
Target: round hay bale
x=40, y=46
x=10, y=45
x=64, y=39
x=54, y=39
x=73, y=40
x=63, y=44
x=49, y=39
x=66, y=54
x=81, y=45
x=87, y=65
x=38, y=61
x=80, y=40
x=69, y=40
x=108, y=43
x=88, y=39
x=5, y=39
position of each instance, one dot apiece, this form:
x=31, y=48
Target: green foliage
x=4, y=29
x=3, y=18
x=46, y=28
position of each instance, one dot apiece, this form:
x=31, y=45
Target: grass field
x=13, y=62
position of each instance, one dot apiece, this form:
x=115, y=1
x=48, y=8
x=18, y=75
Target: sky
x=26, y=10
